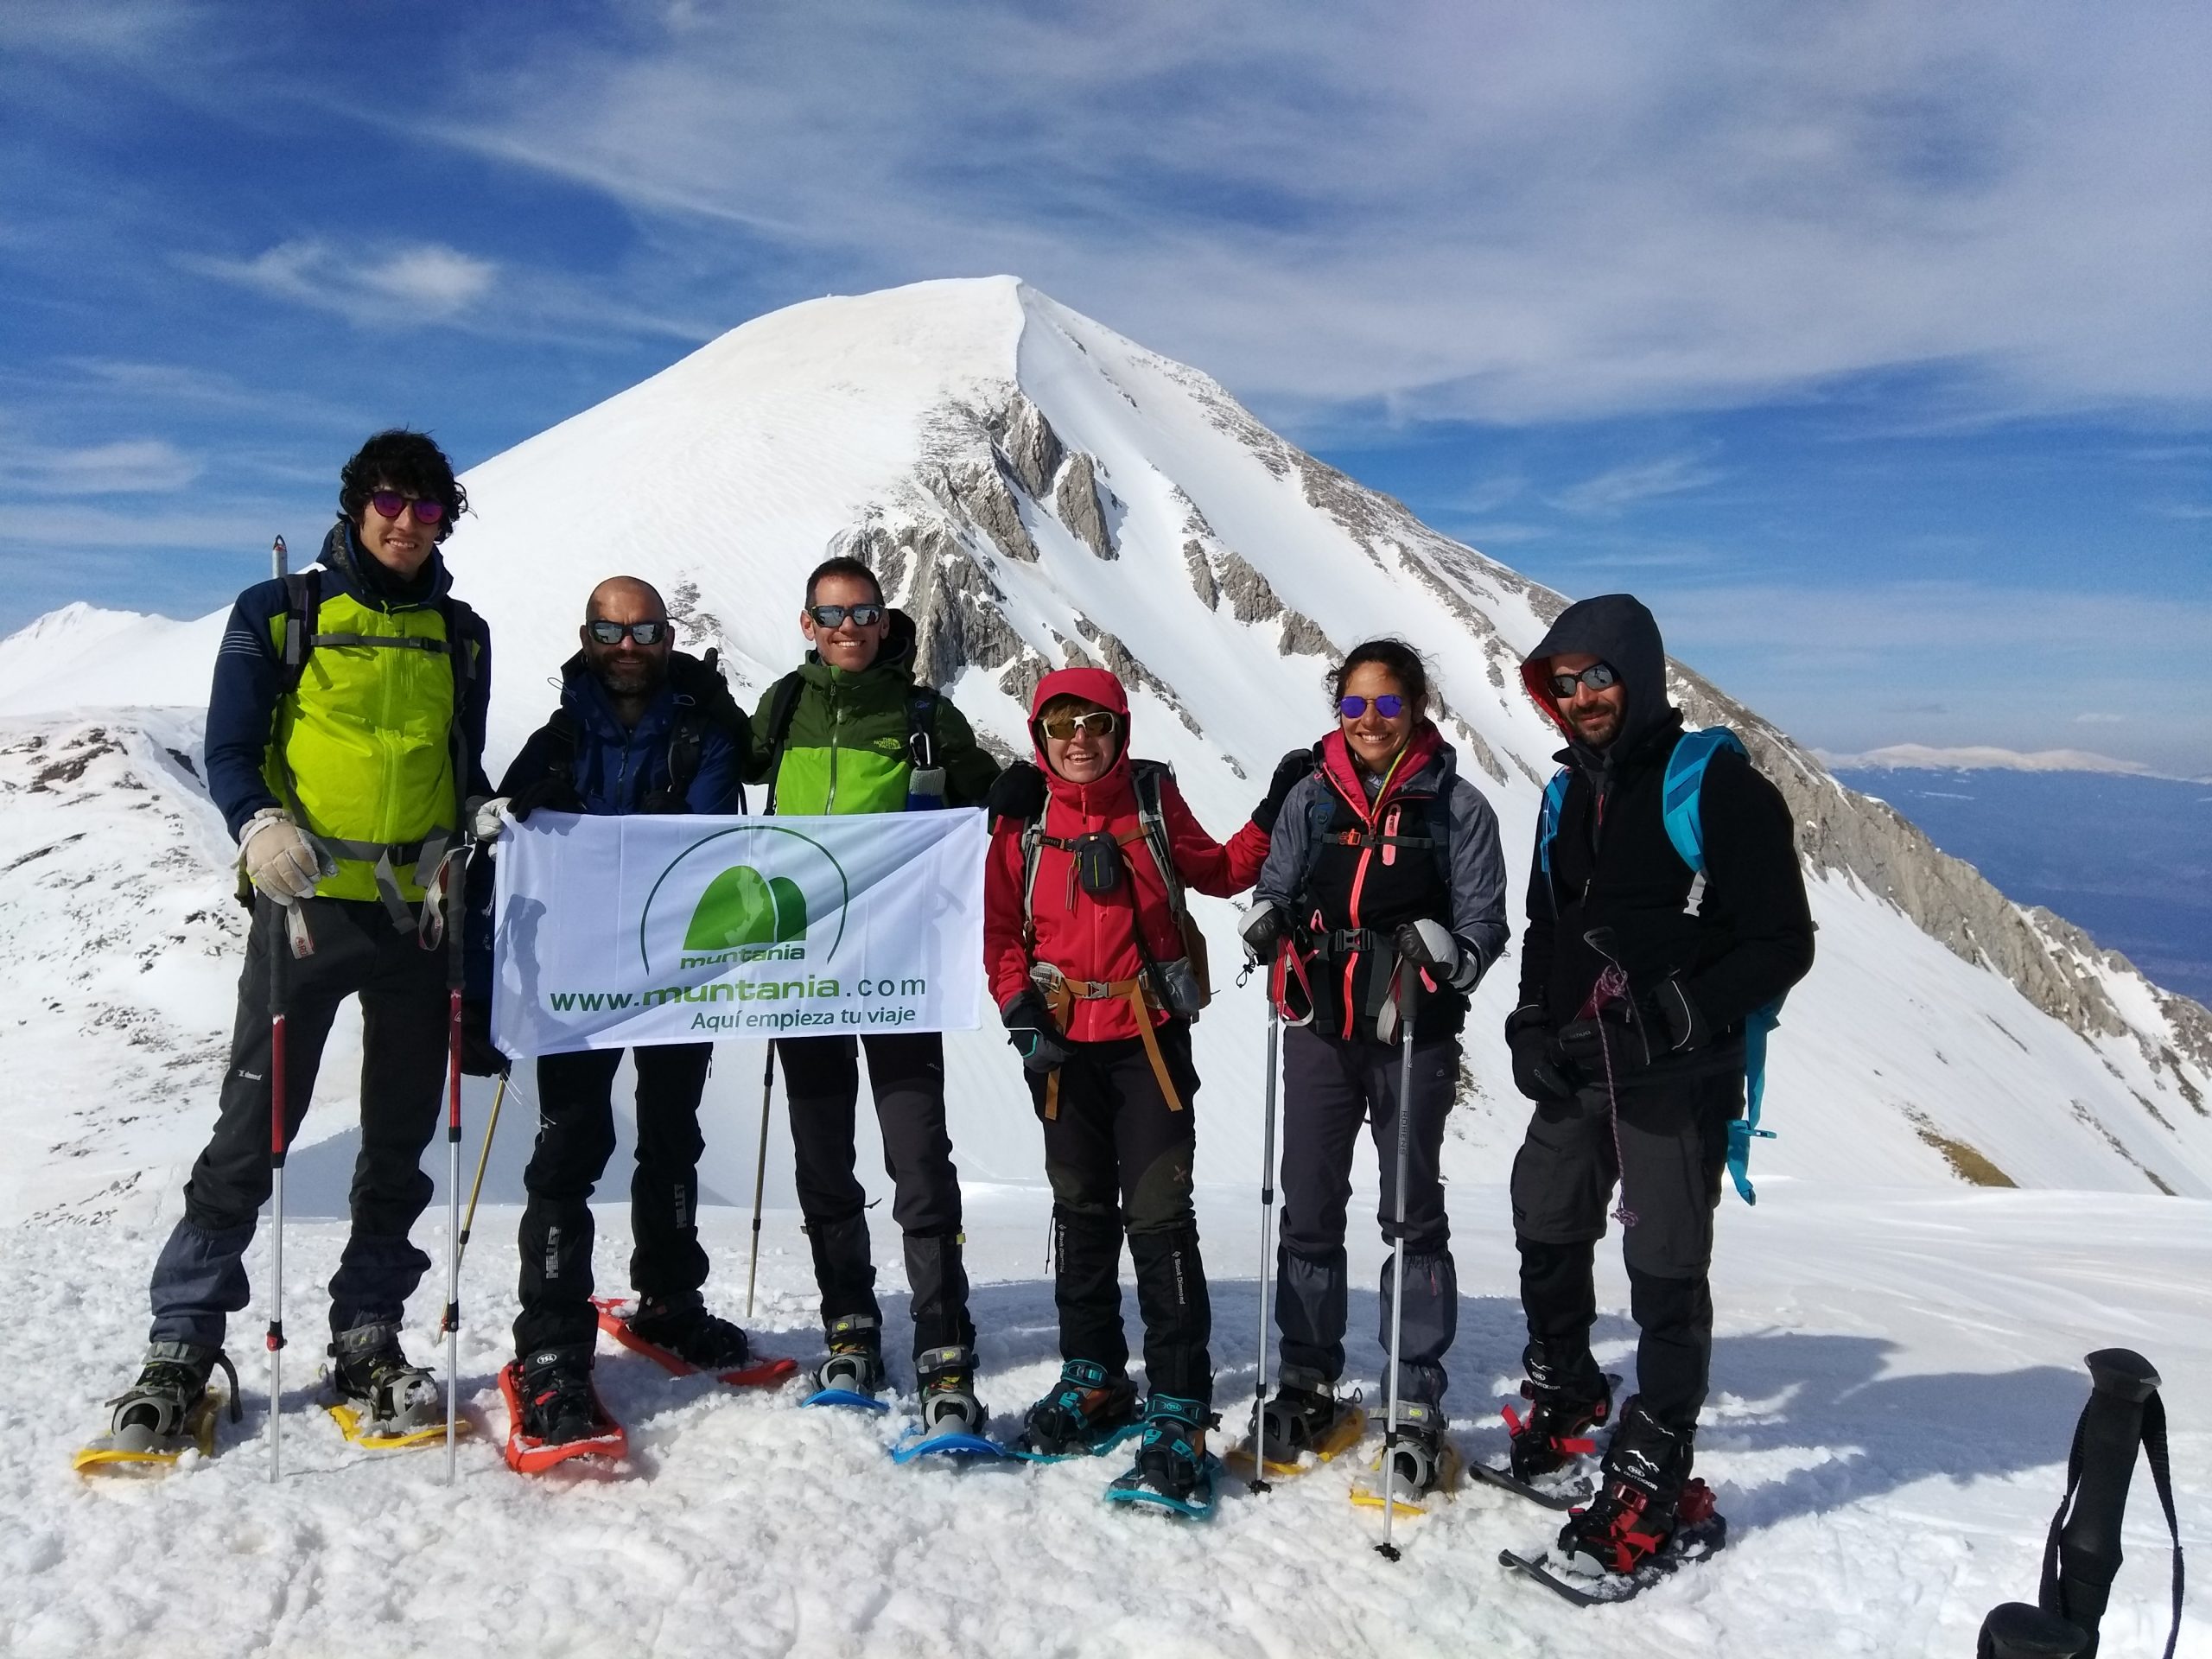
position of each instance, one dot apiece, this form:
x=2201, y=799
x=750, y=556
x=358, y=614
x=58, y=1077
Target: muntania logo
x=745, y=914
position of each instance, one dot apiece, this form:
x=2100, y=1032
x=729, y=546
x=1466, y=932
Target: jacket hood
x=342, y=552
x=1618, y=629
x=1092, y=686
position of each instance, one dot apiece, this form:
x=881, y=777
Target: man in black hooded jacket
x=1636, y=975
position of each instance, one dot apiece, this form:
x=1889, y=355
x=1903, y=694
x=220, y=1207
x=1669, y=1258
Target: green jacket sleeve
x=754, y=765
x=968, y=768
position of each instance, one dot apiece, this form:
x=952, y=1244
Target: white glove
x=489, y=814
x=1432, y=946
x=283, y=862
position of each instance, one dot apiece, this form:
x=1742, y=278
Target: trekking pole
x=456, y=911
x=1259, y=1482
x=484, y=1157
x=1405, y=984
x=759, y=1177
x=280, y=949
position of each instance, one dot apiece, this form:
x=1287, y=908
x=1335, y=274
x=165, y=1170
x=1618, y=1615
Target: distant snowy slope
x=81, y=657
x=1037, y=490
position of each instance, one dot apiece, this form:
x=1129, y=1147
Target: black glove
x=1029, y=1027
x=1611, y=1045
x=1261, y=928
x=1291, y=771
x=477, y=1057
x=1431, y=945
x=1539, y=1065
x=1018, y=792
x=554, y=791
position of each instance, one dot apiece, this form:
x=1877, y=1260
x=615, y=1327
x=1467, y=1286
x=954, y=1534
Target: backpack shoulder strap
x=1685, y=781
x=1146, y=777
x=1320, y=813
x=1548, y=816
x=303, y=602
x=783, y=703
x=1033, y=847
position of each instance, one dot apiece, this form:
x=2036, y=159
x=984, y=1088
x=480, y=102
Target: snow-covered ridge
x=1981, y=757
x=1038, y=491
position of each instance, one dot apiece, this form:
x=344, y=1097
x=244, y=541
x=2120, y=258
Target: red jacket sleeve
x=1006, y=962
x=1203, y=864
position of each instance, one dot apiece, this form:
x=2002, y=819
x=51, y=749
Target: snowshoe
x=851, y=1374
x=1638, y=1508
x=1306, y=1424
x=701, y=1342
x=1173, y=1471
x=1088, y=1412
x=951, y=1419
x=378, y=1400
x=168, y=1411
x=554, y=1412
x=1420, y=1462
x=1699, y=1531
x=1543, y=1457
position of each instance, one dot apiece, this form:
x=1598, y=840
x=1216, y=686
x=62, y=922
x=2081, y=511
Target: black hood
x=1618, y=630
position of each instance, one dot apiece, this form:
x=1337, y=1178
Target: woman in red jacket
x=1092, y=966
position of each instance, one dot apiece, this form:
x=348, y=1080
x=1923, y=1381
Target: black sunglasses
x=833, y=616
x=611, y=633
x=1597, y=676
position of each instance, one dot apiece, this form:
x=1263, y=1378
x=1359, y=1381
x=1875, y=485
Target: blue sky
x=1871, y=342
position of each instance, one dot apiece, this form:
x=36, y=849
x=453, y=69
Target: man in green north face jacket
x=849, y=731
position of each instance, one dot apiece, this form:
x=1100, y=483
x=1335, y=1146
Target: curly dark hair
x=405, y=460
x=852, y=569
x=1401, y=660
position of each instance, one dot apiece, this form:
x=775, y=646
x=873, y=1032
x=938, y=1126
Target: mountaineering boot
x=157, y=1409
x=1171, y=1456
x=1417, y=1458
x=1301, y=1418
x=1645, y=1495
x=557, y=1398
x=947, y=1389
x=1567, y=1398
x=369, y=1371
x=702, y=1340
x=854, y=1362
x=1084, y=1412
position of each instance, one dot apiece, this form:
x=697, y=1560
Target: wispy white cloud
x=1492, y=210
x=1613, y=491
x=395, y=284
x=2092, y=718
x=130, y=466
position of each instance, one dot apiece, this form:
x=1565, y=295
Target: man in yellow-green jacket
x=849, y=731
x=344, y=738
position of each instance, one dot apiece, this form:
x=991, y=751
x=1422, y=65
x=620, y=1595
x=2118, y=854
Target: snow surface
x=1898, y=1356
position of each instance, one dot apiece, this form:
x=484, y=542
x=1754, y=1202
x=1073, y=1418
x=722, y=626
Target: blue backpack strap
x=1547, y=820
x=1685, y=778
x=1685, y=830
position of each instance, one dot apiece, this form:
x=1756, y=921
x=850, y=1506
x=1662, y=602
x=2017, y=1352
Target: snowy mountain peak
x=1039, y=489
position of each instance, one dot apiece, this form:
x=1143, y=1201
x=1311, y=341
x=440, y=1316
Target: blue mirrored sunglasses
x=1389, y=705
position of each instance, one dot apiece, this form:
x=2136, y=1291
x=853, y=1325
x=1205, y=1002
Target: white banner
x=614, y=932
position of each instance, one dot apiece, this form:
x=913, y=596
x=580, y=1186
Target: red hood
x=1536, y=675
x=1343, y=772
x=1092, y=686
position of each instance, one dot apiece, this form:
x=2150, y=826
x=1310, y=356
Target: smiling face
x=1596, y=717
x=1374, y=738
x=401, y=545
x=849, y=646
x=1084, y=753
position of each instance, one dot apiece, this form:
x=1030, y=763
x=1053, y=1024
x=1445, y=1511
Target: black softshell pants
x=907, y=1072
x=575, y=1137
x=199, y=1278
x=1330, y=1088
x=1672, y=1147
x=1120, y=1161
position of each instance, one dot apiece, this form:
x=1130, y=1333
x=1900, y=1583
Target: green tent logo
x=741, y=908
